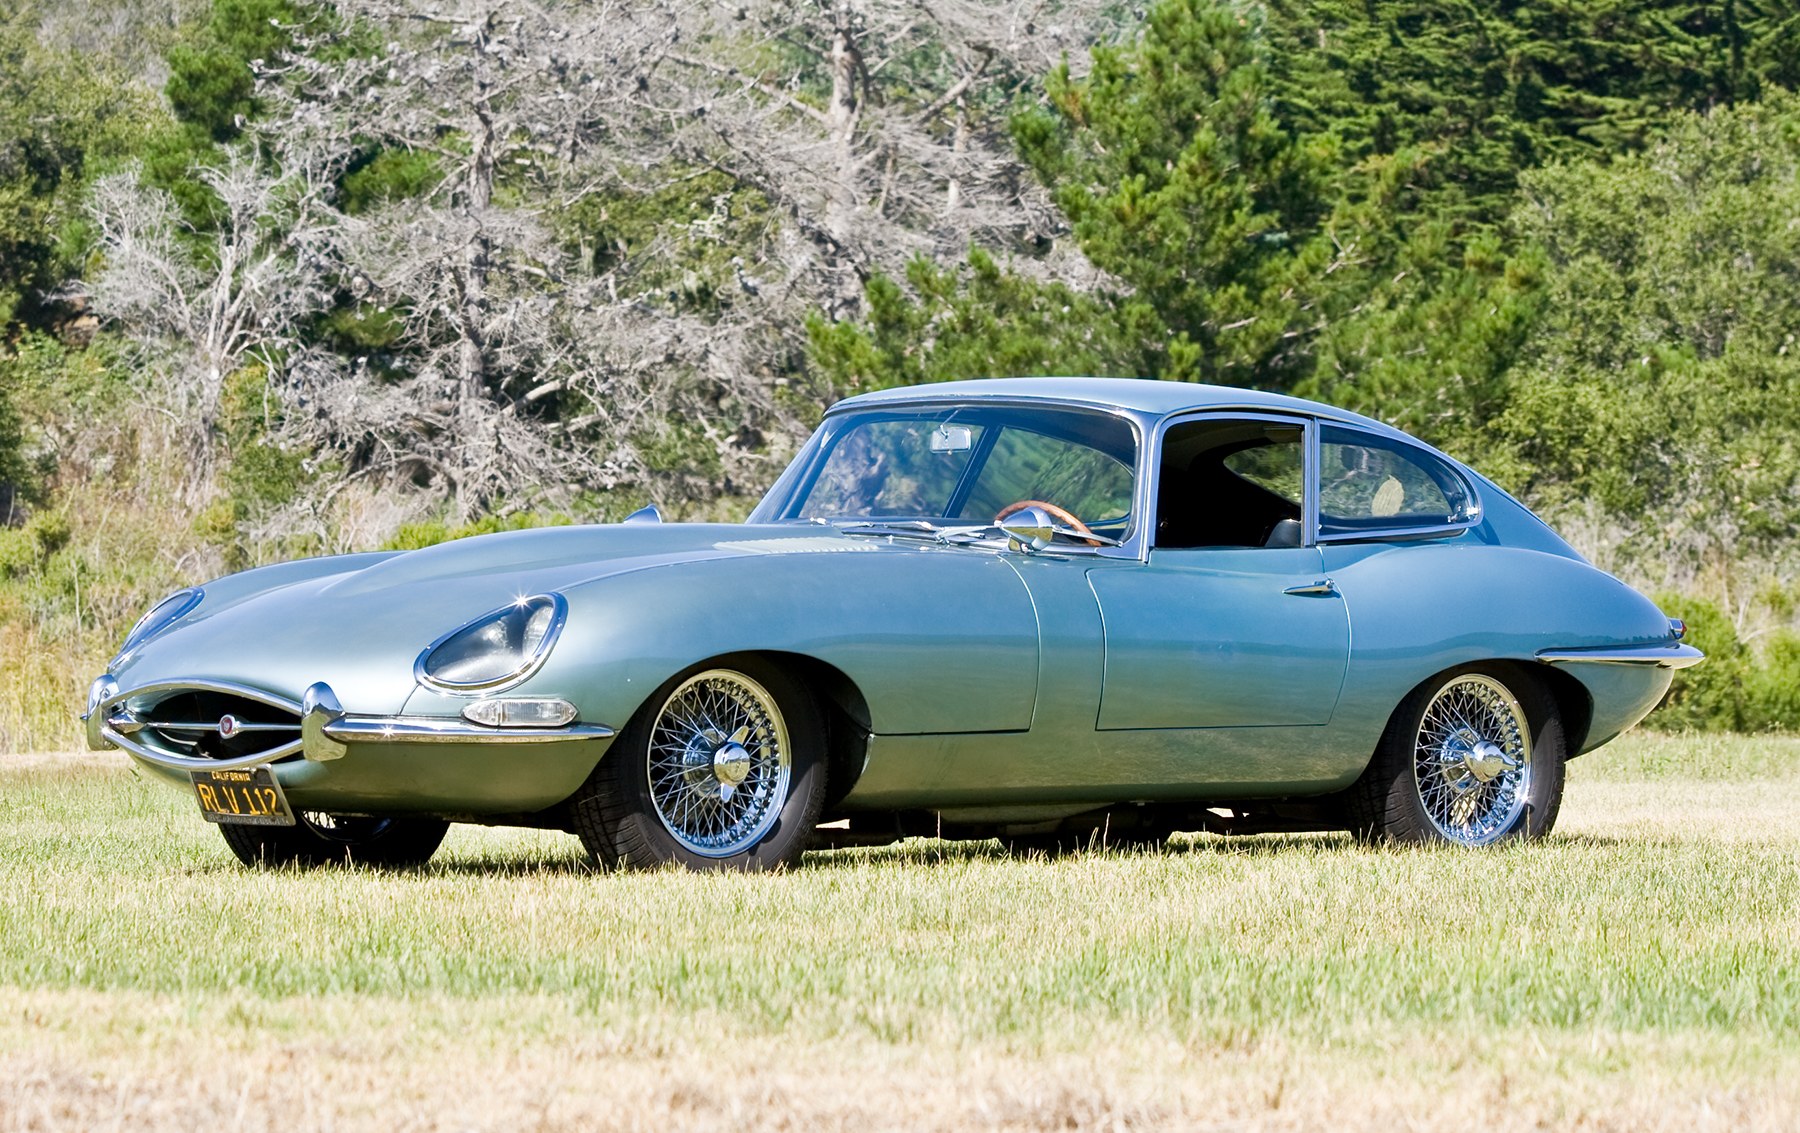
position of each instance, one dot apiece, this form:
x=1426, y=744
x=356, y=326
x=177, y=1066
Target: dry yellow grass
x=84, y=1060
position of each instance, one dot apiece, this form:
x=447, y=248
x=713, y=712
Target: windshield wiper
x=966, y=533
x=890, y=527
x=922, y=529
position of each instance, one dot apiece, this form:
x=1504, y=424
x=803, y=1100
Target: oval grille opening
x=208, y=724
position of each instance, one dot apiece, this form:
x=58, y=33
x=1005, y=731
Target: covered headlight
x=161, y=616
x=498, y=648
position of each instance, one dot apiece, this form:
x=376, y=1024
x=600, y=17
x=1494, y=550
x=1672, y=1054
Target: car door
x=1230, y=621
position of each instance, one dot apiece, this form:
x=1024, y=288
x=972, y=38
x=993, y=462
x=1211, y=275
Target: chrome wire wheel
x=718, y=763
x=1472, y=760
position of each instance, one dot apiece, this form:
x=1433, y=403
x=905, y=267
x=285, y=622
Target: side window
x=1371, y=483
x=1230, y=483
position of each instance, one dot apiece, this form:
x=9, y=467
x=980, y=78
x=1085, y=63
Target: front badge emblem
x=228, y=726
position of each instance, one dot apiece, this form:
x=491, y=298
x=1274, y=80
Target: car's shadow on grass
x=926, y=852
x=575, y=865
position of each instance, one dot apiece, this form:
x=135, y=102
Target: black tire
x=1422, y=777
x=322, y=840
x=629, y=812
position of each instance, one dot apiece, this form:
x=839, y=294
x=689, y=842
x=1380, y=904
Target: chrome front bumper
x=326, y=731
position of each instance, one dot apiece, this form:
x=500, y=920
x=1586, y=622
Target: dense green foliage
x=978, y=321
x=61, y=117
x=1478, y=93
x=212, y=86
x=1177, y=177
x=1738, y=688
x=1661, y=383
x=1555, y=237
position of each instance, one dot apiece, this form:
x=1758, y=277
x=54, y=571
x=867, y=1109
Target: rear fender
x=1421, y=609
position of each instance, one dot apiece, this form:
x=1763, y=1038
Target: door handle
x=1321, y=587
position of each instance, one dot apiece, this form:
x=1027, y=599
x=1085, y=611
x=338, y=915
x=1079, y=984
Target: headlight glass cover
x=498, y=648
x=161, y=616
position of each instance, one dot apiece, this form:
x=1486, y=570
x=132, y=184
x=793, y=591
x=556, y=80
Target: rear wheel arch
x=1384, y=803
x=1574, y=704
x=1558, y=691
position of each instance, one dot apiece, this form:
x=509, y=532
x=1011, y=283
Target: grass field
x=1639, y=970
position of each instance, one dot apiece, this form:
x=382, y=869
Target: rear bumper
x=1671, y=655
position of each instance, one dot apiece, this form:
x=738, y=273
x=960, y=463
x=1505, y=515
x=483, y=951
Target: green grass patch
x=111, y=882
x=1655, y=936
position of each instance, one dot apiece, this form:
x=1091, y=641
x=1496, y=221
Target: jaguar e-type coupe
x=1051, y=611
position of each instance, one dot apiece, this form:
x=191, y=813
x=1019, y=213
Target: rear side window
x=1369, y=483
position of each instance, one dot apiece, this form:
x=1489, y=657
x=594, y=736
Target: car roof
x=1135, y=395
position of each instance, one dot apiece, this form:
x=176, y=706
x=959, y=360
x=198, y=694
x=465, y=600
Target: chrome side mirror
x=1029, y=528
x=646, y=514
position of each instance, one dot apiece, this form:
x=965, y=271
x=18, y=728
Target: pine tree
x=1177, y=178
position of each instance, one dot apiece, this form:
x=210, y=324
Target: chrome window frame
x=1477, y=506
x=1309, y=464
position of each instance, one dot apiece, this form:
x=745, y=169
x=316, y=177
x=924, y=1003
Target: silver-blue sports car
x=1052, y=611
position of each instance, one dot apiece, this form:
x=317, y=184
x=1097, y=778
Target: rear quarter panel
x=1417, y=609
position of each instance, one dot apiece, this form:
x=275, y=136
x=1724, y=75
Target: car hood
x=359, y=622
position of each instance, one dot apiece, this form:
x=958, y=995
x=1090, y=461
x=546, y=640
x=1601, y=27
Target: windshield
x=961, y=464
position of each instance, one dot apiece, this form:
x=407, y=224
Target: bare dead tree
x=871, y=130
x=881, y=126
x=484, y=296
x=199, y=306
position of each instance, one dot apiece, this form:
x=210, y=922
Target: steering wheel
x=1061, y=514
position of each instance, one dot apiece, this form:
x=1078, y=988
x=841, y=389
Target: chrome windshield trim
x=1663, y=655
x=1134, y=545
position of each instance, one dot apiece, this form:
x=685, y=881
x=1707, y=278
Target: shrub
x=1738, y=689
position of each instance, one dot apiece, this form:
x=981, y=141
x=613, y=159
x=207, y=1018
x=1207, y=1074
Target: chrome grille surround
x=201, y=724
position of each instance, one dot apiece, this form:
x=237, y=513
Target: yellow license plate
x=247, y=795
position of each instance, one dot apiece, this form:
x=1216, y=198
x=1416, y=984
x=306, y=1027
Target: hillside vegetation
x=283, y=277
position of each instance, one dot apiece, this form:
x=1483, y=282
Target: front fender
x=936, y=640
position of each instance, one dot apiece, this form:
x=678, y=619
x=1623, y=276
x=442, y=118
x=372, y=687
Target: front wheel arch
x=621, y=814
x=846, y=718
